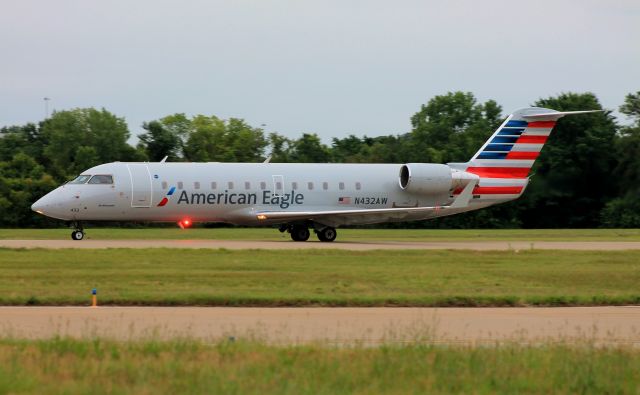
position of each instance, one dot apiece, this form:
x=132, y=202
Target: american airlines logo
x=165, y=199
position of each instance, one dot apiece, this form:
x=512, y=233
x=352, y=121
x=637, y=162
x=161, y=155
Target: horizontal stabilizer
x=556, y=114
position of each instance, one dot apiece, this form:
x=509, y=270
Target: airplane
x=303, y=196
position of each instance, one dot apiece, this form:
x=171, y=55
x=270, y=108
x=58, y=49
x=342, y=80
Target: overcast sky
x=329, y=67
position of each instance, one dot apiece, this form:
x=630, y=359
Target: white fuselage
x=235, y=192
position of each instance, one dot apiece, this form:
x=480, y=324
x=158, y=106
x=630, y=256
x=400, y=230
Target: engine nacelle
x=425, y=178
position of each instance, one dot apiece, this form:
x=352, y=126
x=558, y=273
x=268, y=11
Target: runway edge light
x=94, y=297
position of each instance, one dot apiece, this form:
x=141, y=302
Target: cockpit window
x=101, y=179
x=80, y=179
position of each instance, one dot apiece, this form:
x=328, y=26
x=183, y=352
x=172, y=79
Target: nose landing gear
x=78, y=233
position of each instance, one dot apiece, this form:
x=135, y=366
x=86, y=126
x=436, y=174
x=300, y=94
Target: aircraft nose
x=42, y=205
x=51, y=205
x=38, y=206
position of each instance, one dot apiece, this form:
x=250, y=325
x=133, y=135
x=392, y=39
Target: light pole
x=46, y=107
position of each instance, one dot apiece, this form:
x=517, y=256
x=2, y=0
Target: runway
x=355, y=246
x=366, y=326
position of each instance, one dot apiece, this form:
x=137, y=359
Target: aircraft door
x=141, y=186
x=278, y=185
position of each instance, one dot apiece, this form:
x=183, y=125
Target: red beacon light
x=185, y=223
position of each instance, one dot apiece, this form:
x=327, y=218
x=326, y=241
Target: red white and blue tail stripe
x=512, y=150
x=504, y=162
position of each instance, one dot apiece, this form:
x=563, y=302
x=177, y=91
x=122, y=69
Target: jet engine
x=425, y=178
x=432, y=179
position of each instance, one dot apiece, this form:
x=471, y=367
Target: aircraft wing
x=342, y=216
x=374, y=215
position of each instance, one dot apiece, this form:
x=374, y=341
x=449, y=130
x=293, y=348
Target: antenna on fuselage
x=164, y=159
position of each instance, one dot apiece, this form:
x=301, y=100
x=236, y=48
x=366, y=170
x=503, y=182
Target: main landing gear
x=78, y=233
x=300, y=232
x=327, y=234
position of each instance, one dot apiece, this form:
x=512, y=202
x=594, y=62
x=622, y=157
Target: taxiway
x=356, y=246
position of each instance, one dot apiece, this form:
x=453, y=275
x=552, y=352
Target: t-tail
x=504, y=162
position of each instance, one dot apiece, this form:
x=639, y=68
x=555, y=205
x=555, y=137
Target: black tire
x=327, y=234
x=77, y=235
x=300, y=233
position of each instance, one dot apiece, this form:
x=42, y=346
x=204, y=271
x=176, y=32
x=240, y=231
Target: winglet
x=465, y=196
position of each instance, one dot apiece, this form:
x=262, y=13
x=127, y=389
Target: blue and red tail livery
x=504, y=162
x=512, y=150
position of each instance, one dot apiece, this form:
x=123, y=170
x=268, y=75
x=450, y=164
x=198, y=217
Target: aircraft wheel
x=327, y=234
x=300, y=233
x=77, y=235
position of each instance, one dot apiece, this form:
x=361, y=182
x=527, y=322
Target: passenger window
x=325, y=185
x=101, y=179
x=196, y=185
x=247, y=185
x=180, y=185
x=230, y=185
x=294, y=186
x=214, y=185
x=341, y=185
x=310, y=186
x=80, y=179
x=358, y=186
x=164, y=185
x=263, y=185
x=278, y=185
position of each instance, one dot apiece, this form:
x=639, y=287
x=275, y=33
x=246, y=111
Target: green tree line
x=588, y=174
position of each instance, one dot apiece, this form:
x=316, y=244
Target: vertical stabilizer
x=504, y=162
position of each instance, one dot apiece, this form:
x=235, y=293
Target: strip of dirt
x=369, y=326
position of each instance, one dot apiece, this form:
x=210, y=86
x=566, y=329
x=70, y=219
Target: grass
x=63, y=366
x=319, y=277
x=352, y=235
